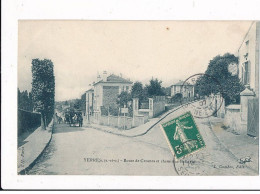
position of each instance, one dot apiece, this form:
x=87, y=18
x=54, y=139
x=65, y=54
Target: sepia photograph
x=138, y=98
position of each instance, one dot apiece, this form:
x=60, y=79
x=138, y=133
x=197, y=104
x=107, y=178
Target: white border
x=14, y=10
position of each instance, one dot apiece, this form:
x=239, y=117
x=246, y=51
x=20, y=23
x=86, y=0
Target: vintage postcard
x=161, y=98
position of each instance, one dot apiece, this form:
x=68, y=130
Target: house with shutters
x=187, y=91
x=106, y=91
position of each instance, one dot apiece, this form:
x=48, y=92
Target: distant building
x=87, y=102
x=248, y=54
x=107, y=89
x=187, y=91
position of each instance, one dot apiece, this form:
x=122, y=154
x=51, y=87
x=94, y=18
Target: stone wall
x=120, y=122
x=158, y=105
x=232, y=118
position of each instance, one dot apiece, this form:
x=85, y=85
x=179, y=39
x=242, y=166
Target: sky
x=138, y=50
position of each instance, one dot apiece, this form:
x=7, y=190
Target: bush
x=176, y=98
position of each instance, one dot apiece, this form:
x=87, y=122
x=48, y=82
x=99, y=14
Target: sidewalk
x=240, y=145
x=32, y=149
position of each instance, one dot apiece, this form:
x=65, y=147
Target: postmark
x=202, y=106
x=182, y=135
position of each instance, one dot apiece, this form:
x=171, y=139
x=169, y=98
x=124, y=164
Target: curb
x=24, y=171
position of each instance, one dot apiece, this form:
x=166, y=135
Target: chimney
x=98, y=78
x=104, y=76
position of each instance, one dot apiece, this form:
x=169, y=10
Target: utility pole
x=124, y=119
x=108, y=116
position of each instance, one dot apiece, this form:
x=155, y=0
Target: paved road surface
x=87, y=151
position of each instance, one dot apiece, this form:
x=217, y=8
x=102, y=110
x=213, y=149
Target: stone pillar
x=244, y=97
x=135, y=106
x=220, y=106
x=151, y=107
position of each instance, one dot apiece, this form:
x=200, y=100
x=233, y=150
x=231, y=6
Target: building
x=244, y=117
x=107, y=89
x=187, y=91
x=87, y=102
x=248, y=54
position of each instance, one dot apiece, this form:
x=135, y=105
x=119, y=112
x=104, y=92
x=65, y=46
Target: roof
x=91, y=89
x=181, y=83
x=114, y=79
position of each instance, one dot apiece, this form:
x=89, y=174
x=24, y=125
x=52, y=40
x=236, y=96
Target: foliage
x=59, y=107
x=77, y=104
x=166, y=91
x=113, y=110
x=176, y=98
x=25, y=101
x=43, y=89
x=124, y=98
x=155, y=88
x=218, y=79
x=137, y=90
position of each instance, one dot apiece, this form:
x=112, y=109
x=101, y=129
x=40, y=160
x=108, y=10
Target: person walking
x=80, y=120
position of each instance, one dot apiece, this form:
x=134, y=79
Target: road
x=88, y=151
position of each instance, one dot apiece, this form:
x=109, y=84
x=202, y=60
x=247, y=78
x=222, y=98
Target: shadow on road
x=65, y=128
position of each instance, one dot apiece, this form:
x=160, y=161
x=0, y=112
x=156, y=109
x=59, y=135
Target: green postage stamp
x=183, y=135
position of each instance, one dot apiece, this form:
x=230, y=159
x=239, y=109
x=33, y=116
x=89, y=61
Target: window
x=127, y=88
x=247, y=47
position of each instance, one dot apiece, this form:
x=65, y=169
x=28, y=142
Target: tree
x=25, y=100
x=43, y=89
x=30, y=101
x=124, y=98
x=166, y=91
x=77, y=104
x=138, y=92
x=218, y=79
x=155, y=88
x=176, y=98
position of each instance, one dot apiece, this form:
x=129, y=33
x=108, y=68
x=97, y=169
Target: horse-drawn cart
x=74, y=118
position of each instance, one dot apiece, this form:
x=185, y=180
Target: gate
x=253, y=117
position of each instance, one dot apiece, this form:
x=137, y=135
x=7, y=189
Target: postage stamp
x=183, y=135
